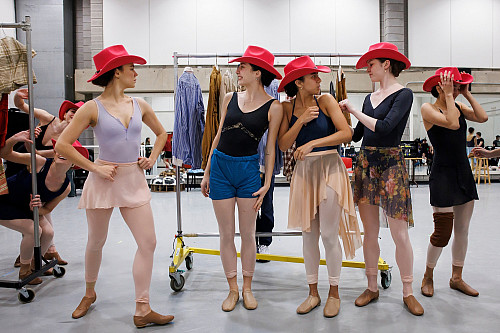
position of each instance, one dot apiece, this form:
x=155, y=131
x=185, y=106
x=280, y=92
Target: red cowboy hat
x=78, y=146
x=299, y=67
x=67, y=105
x=112, y=57
x=261, y=57
x=382, y=50
x=460, y=78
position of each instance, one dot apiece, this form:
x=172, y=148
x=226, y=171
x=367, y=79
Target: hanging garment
x=13, y=65
x=272, y=90
x=189, y=122
x=213, y=117
x=332, y=89
x=4, y=118
x=227, y=85
x=342, y=93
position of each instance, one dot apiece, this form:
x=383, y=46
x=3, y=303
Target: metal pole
x=34, y=189
x=177, y=168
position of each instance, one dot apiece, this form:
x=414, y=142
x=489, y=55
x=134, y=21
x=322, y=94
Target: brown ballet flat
x=152, y=318
x=25, y=271
x=55, y=255
x=427, y=288
x=83, y=307
x=17, y=263
x=413, y=305
x=460, y=285
x=231, y=300
x=332, y=307
x=309, y=304
x=249, y=302
x=366, y=297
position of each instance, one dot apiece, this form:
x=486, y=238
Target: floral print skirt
x=381, y=179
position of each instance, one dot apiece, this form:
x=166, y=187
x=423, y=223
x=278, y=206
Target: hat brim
x=258, y=62
x=117, y=62
x=67, y=105
x=300, y=72
x=382, y=53
x=436, y=78
x=79, y=148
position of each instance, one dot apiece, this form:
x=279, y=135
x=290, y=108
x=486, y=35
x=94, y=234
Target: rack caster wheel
x=58, y=271
x=189, y=262
x=177, y=286
x=26, y=296
x=386, y=278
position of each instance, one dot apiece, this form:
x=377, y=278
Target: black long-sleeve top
x=391, y=114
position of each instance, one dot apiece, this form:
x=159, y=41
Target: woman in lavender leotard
x=117, y=178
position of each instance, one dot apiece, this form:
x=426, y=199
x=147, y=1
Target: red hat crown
x=67, y=105
x=452, y=70
x=383, y=50
x=108, y=54
x=112, y=57
x=299, y=67
x=460, y=78
x=301, y=62
x=259, y=56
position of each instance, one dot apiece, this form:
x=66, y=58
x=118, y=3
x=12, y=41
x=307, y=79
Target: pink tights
x=224, y=212
x=404, y=253
x=26, y=227
x=141, y=224
x=462, y=216
x=327, y=220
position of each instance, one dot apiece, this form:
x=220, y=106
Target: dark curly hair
x=291, y=88
x=266, y=77
x=395, y=66
x=105, y=79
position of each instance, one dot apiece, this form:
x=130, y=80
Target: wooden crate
x=165, y=188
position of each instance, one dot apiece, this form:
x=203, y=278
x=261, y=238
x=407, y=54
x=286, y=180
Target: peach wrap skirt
x=308, y=188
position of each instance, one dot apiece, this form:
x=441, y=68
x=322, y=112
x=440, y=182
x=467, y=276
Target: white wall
x=161, y=27
x=458, y=33
x=7, y=15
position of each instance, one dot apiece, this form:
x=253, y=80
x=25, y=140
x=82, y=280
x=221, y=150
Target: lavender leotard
x=116, y=142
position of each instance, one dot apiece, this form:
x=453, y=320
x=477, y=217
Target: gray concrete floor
x=279, y=287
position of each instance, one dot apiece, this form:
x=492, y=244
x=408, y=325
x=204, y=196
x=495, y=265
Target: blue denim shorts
x=232, y=176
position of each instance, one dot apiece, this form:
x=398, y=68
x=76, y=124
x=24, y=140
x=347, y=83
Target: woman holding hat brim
x=117, y=178
x=380, y=177
x=232, y=173
x=16, y=206
x=51, y=127
x=451, y=184
x=320, y=192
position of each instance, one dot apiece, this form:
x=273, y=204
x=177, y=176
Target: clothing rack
x=178, y=56
x=184, y=253
x=27, y=295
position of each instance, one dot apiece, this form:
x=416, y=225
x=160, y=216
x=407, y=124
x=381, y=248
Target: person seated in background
x=496, y=142
x=479, y=140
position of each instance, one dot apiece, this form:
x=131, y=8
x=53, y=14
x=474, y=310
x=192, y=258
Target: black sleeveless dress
x=15, y=205
x=451, y=182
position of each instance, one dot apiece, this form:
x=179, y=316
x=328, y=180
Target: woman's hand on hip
x=145, y=163
x=107, y=172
